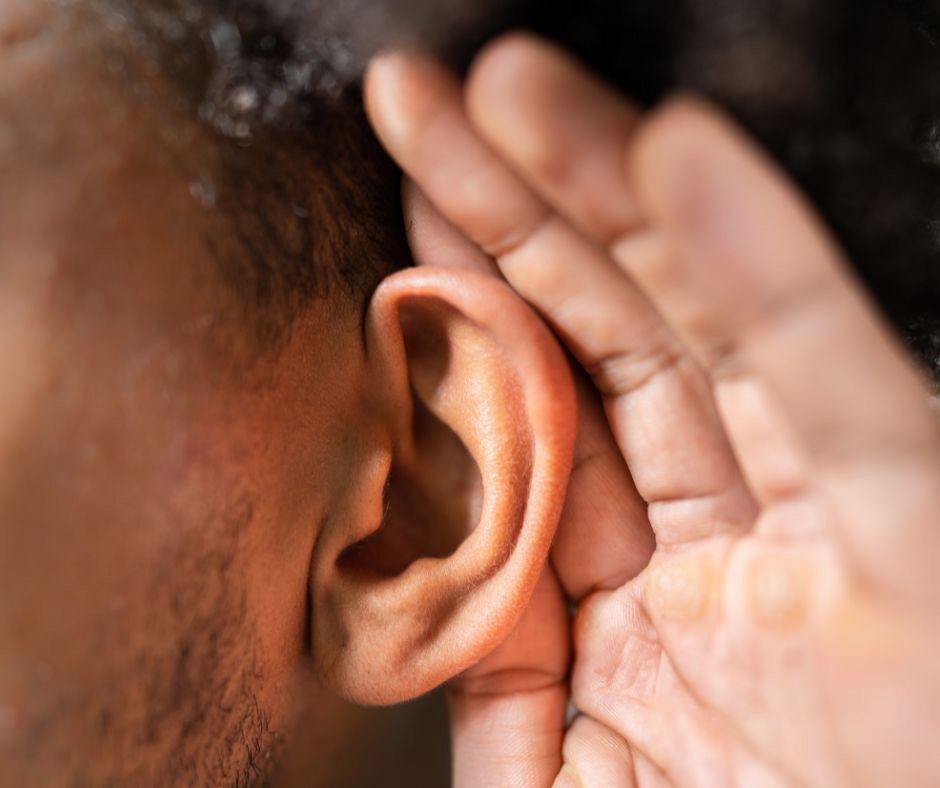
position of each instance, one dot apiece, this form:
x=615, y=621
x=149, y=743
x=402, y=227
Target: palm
x=778, y=669
x=778, y=443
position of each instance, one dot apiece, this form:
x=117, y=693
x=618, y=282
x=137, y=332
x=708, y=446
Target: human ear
x=449, y=526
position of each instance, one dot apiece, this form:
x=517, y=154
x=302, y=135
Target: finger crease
x=623, y=372
x=508, y=243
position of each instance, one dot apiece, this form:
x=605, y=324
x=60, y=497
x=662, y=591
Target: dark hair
x=844, y=93
x=301, y=203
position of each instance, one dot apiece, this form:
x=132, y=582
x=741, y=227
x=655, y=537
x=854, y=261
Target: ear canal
x=481, y=417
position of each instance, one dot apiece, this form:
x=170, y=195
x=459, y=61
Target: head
x=245, y=457
x=231, y=459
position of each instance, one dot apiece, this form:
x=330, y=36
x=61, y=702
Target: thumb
x=508, y=711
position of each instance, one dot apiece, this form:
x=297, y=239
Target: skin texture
x=185, y=513
x=781, y=445
x=147, y=490
x=200, y=533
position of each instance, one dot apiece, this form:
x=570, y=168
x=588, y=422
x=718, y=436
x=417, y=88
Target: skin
x=781, y=446
x=146, y=490
x=207, y=540
x=178, y=504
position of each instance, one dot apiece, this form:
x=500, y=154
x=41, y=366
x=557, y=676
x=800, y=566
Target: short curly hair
x=302, y=202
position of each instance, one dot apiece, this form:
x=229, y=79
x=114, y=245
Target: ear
x=436, y=561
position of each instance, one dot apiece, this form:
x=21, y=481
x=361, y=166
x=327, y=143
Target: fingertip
x=742, y=228
x=668, y=144
x=378, y=87
x=381, y=70
x=507, y=64
x=689, y=160
x=560, y=125
x=401, y=90
x=511, y=50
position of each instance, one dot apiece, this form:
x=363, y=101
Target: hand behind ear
x=786, y=627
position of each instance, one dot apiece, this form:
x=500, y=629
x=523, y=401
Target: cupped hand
x=779, y=442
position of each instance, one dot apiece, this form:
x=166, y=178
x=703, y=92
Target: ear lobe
x=479, y=409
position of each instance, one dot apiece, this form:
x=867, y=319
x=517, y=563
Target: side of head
x=223, y=444
x=232, y=468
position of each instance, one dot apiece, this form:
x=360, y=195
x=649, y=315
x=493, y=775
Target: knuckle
x=624, y=371
x=617, y=652
x=507, y=241
x=592, y=618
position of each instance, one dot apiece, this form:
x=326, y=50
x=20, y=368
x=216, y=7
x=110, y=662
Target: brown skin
x=177, y=500
x=148, y=489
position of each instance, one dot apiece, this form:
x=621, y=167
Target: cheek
x=159, y=561
x=23, y=342
x=158, y=511
x=284, y=442
x=288, y=449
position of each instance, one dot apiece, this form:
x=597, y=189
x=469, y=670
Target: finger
x=777, y=311
x=568, y=134
x=604, y=536
x=434, y=240
x=415, y=105
x=772, y=285
x=596, y=757
x=658, y=403
x=602, y=506
x=507, y=713
x=735, y=260
x=740, y=266
x=560, y=127
x=742, y=241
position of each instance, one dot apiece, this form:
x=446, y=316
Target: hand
x=777, y=437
